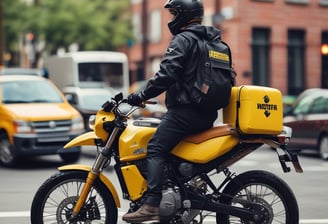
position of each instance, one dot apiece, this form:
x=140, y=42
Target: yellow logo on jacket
x=218, y=55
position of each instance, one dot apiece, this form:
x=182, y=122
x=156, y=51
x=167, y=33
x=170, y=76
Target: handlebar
x=117, y=100
x=142, y=105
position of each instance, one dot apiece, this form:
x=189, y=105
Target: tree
x=93, y=25
x=14, y=22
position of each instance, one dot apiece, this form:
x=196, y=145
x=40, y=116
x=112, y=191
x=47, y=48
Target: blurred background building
x=277, y=43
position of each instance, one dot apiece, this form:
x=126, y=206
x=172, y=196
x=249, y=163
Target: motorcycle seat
x=217, y=131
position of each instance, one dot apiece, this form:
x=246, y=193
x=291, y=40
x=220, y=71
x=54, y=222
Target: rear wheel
x=254, y=189
x=323, y=147
x=55, y=200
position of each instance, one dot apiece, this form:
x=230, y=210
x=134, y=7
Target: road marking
x=314, y=221
x=14, y=214
x=316, y=169
x=17, y=214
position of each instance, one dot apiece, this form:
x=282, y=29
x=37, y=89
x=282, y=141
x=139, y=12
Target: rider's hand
x=135, y=99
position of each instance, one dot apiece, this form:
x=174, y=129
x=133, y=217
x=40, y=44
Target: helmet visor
x=173, y=12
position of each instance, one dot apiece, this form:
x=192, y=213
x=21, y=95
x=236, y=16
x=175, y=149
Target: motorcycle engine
x=174, y=207
x=171, y=202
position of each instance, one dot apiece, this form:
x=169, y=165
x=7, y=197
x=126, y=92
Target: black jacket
x=178, y=67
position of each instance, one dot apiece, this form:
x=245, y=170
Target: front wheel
x=55, y=200
x=7, y=155
x=323, y=147
x=253, y=188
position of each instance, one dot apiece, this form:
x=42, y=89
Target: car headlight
x=77, y=124
x=23, y=126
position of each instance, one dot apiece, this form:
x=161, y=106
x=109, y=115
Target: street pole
x=145, y=37
x=1, y=34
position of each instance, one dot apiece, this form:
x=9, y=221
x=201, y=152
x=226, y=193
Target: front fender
x=102, y=178
x=88, y=138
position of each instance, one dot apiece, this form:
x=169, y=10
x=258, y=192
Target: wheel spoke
x=263, y=195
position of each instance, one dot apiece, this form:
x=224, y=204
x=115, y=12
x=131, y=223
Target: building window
x=302, y=2
x=155, y=26
x=296, y=69
x=260, y=56
x=135, y=2
x=324, y=59
x=323, y=2
x=136, y=24
x=208, y=19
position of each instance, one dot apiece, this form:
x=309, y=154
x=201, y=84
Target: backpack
x=211, y=87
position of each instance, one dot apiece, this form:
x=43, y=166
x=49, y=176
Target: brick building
x=278, y=43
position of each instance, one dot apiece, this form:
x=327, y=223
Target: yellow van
x=35, y=119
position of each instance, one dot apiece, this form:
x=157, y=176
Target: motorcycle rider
x=183, y=118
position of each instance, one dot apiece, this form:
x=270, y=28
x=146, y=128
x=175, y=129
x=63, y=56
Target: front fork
x=93, y=174
x=85, y=191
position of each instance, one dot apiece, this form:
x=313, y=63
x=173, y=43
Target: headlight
x=77, y=124
x=92, y=121
x=22, y=126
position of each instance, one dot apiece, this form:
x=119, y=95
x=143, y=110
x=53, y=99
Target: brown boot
x=143, y=214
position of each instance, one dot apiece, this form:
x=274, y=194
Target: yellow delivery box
x=255, y=110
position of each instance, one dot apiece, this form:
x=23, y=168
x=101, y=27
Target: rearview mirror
x=118, y=97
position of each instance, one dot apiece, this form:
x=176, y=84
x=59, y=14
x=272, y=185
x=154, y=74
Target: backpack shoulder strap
x=201, y=42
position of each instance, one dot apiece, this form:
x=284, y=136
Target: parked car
x=151, y=110
x=23, y=71
x=35, y=119
x=87, y=100
x=288, y=102
x=309, y=119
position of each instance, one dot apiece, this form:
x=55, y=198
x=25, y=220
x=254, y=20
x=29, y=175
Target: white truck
x=89, y=69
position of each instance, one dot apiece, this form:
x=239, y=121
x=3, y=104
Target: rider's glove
x=135, y=99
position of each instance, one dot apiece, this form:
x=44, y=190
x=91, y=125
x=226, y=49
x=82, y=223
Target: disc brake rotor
x=89, y=211
x=65, y=209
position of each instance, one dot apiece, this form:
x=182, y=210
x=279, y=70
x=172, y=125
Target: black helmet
x=185, y=12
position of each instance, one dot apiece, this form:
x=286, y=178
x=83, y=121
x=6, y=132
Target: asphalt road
x=18, y=185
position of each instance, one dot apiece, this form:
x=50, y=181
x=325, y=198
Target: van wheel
x=70, y=157
x=323, y=147
x=7, y=155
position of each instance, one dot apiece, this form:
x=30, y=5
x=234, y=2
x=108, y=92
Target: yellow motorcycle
x=198, y=181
